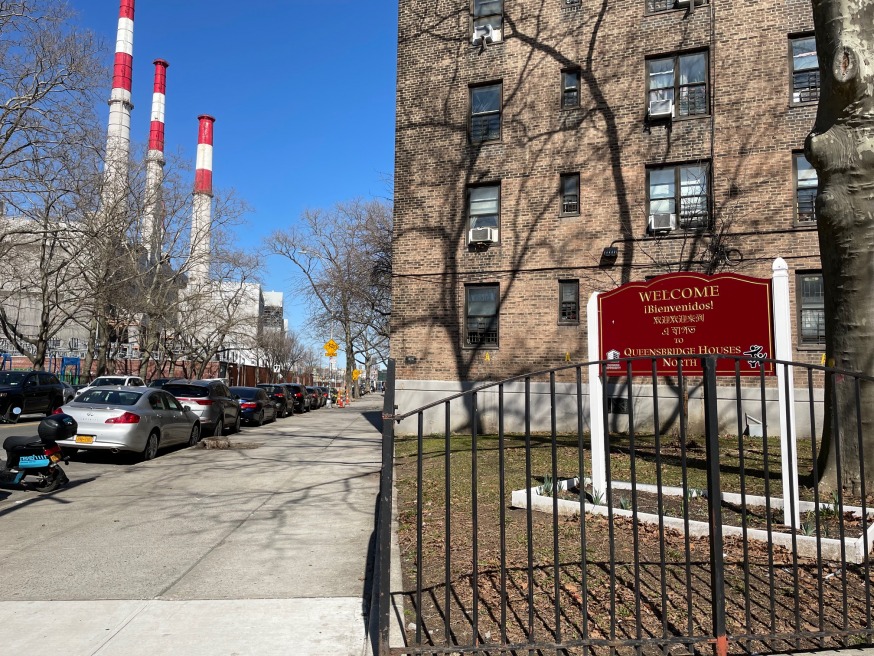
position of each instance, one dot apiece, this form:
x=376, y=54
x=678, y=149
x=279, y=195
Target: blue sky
x=303, y=93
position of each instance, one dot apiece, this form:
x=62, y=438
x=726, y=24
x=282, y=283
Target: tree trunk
x=841, y=148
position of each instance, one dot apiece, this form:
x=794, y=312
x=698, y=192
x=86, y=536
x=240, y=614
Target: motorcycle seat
x=19, y=441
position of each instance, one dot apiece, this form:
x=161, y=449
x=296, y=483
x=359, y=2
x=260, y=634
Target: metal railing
x=507, y=548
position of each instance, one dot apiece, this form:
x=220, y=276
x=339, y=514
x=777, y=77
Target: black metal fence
x=507, y=547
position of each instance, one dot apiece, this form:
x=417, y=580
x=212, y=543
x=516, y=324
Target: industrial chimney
x=118, y=134
x=202, y=217
x=153, y=220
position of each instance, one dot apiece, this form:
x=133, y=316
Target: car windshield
x=109, y=397
x=245, y=392
x=103, y=381
x=12, y=378
x=187, y=390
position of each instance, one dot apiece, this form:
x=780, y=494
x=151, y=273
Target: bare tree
x=50, y=74
x=280, y=351
x=337, y=253
x=841, y=149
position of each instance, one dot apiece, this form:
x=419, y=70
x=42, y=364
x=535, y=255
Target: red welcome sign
x=682, y=316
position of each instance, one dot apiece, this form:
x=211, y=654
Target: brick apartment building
x=534, y=135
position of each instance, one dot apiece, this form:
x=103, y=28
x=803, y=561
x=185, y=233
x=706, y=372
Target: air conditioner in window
x=485, y=33
x=662, y=222
x=483, y=236
x=686, y=3
x=661, y=108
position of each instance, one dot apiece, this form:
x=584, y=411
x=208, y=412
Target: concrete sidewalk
x=261, y=550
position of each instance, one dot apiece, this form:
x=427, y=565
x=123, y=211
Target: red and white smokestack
x=202, y=219
x=153, y=219
x=120, y=105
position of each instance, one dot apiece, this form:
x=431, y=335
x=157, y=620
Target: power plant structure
x=201, y=220
x=116, y=166
x=153, y=219
x=247, y=303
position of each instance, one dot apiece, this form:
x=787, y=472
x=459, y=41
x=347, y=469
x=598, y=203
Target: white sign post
x=596, y=405
x=786, y=393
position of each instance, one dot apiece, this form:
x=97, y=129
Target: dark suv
x=29, y=392
x=212, y=401
x=298, y=397
x=279, y=395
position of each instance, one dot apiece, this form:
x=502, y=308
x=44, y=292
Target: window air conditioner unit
x=483, y=236
x=686, y=3
x=662, y=222
x=661, y=108
x=487, y=33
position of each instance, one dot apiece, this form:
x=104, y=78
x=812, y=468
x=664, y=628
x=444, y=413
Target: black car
x=255, y=406
x=279, y=395
x=299, y=397
x=315, y=398
x=29, y=392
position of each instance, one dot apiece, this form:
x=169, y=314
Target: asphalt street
x=260, y=549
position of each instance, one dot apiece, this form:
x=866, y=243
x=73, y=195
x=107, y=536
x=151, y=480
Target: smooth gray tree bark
x=841, y=148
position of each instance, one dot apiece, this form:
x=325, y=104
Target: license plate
x=84, y=439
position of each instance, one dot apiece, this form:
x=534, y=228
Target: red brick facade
x=747, y=136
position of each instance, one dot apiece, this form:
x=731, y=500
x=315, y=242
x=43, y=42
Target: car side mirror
x=236, y=398
x=187, y=408
x=31, y=383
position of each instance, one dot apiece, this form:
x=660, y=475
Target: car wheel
x=151, y=449
x=236, y=427
x=219, y=429
x=260, y=420
x=195, y=435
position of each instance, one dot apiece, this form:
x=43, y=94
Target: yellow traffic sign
x=331, y=345
x=355, y=374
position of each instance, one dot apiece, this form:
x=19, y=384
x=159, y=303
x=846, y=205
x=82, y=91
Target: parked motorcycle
x=39, y=455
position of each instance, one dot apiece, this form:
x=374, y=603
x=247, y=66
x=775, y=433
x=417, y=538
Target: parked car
x=279, y=395
x=69, y=391
x=324, y=395
x=315, y=399
x=136, y=419
x=211, y=401
x=104, y=381
x=299, y=397
x=30, y=392
x=256, y=407
x=160, y=382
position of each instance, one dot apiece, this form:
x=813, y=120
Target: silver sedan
x=137, y=419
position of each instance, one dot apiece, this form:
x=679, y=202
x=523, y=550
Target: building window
x=570, y=88
x=655, y=6
x=485, y=113
x=805, y=69
x=680, y=80
x=488, y=14
x=569, y=301
x=481, y=314
x=570, y=194
x=805, y=189
x=685, y=187
x=811, y=297
x=484, y=206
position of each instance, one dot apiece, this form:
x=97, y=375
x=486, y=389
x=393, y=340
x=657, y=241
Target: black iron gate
x=508, y=548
